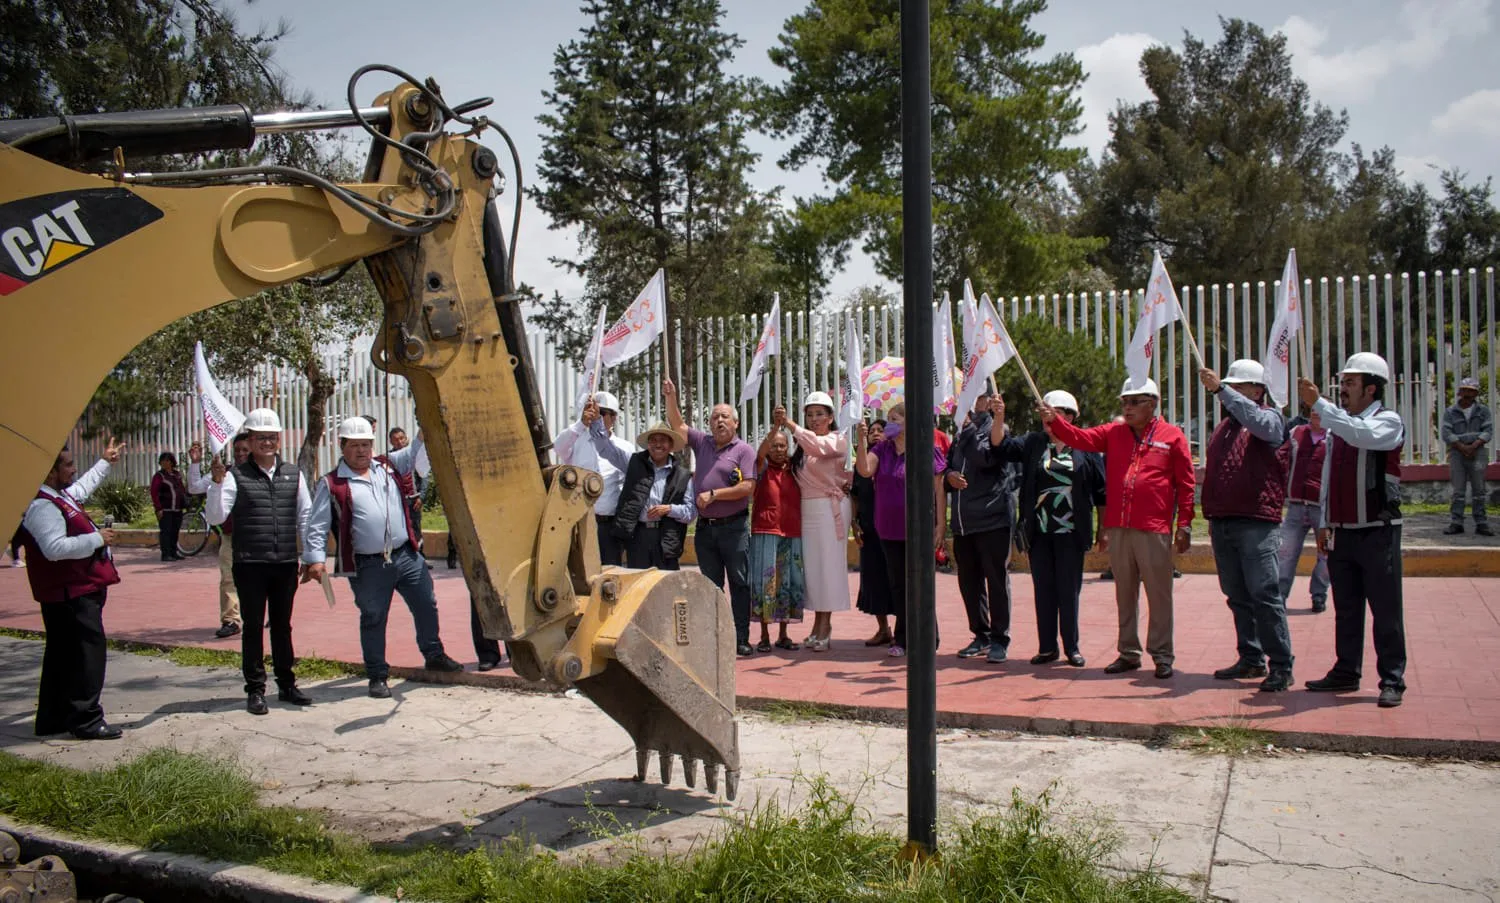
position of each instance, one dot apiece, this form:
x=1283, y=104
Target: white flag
x=769, y=344
x=854, y=384
x=220, y=418
x=992, y=348
x=943, y=356
x=642, y=322
x=1278, y=357
x=1161, y=308
x=970, y=316
x=592, y=363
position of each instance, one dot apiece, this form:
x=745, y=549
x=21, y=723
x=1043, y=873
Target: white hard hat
x=356, y=428
x=1245, y=370
x=1367, y=362
x=607, y=402
x=1144, y=387
x=262, y=420
x=1057, y=398
x=821, y=398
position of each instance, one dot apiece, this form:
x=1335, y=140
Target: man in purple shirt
x=724, y=479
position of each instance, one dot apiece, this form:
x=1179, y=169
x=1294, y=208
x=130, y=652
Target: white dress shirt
x=221, y=498
x=46, y=524
x=573, y=446
x=379, y=516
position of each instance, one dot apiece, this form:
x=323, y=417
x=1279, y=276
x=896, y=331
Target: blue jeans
x=1466, y=474
x=724, y=552
x=1295, y=525
x=373, y=584
x=1245, y=552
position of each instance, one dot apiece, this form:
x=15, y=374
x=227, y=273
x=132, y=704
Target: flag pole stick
x=1019, y=360
x=1188, y=331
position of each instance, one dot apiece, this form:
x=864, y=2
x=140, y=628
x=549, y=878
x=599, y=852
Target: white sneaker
x=18, y=563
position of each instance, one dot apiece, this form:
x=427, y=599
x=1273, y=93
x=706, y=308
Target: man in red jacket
x=1148, y=475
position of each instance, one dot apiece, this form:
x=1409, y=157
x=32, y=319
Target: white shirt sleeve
x=1323, y=489
x=198, y=482
x=46, y=525
x=1379, y=430
x=319, y=519
x=566, y=441
x=220, y=499
x=304, y=507
x=85, y=485
x=404, y=461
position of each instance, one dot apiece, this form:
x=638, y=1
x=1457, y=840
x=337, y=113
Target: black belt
x=604, y=517
x=716, y=521
x=650, y=524
x=394, y=552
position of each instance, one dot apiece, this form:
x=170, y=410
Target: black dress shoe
x=1277, y=682
x=488, y=666
x=1453, y=529
x=227, y=629
x=1390, y=697
x=256, y=704
x=1076, y=660
x=1319, y=604
x=294, y=696
x=1240, y=671
x=379, y=689
x=441, y=662
x=1044, y=658
x=1332, y=684
x=744, y=649
x=103, y=731
x=1121, y=665
x=1163, y=671
x=1483, y=530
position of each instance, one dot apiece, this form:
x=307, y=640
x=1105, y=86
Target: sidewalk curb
x=145, y=873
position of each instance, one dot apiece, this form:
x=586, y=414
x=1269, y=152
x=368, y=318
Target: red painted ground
x=1453, y=636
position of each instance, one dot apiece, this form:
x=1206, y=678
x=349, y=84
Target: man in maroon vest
x=70, y=570
x=1303, y=455
x=1244, y=485
x=1360, y=530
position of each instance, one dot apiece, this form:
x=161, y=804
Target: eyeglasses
x=606, y=412
x=265, y=439
x=1132, y=401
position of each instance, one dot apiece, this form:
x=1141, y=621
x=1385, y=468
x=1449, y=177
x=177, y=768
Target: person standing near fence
x=168, y=496
x=983, y=515
x=1302, y=457
x=875, y=597
x=410, y=482
x=573, y=446
x=199, y=484
x=656, y=497
x=819, y=465
x=1468, y=430
x=778, y=584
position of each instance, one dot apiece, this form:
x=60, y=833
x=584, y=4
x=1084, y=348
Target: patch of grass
x=1233, y=740
x=788, y=711
x=207, y=806
x=308, y=667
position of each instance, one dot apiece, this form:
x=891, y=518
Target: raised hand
x=778, y=416
x=1307, y=391
x=668, y=389
x=590, y=412
x=216, y=469
x=1209, y=378
x=195, y=452
x=1047, y=413
x=112, y=450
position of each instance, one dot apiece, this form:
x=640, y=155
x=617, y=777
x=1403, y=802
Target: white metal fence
x=1433, y=328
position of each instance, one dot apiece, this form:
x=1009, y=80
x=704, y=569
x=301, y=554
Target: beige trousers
x=1137, y=557
x=229, y=600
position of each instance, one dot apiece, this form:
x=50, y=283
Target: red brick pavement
x=1453, y=637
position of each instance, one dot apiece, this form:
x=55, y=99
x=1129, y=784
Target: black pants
x=1364, y=567
x=414, y=508
x=262, y=588
x=645, y=551
x=1057, y=580
x=168, y=527
x=72, y=665
x=724, y=557
x=486, y=650
x=895, y=570
x=981, y=560
x=611, y=549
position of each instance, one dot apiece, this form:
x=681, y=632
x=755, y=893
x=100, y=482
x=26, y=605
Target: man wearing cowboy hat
x=656, y=496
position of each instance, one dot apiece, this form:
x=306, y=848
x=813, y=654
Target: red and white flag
x=992, y=348
x=221, y=418
x=1284, y=329
x=593, y=364
x=769, y=344
x=642, y=322
x=944, y=358
x=1161, y=308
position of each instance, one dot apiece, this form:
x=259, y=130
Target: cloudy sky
x=1412, y=75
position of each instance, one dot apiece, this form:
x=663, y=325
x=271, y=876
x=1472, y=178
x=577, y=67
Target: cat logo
x=40, y=234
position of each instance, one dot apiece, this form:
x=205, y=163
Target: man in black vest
x=269, y=501
x=656, y=497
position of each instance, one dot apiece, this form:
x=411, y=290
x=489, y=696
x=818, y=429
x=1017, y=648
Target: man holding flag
x=769, y=344
x=222, y=420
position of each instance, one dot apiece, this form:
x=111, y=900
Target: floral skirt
x=778, y=587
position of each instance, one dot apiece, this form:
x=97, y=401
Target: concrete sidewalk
x=468, y=765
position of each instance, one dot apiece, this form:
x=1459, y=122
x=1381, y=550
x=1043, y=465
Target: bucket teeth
x=642, y=756
x=711, y=777
x=731, y=784
x=666, y=767
x=690, y=771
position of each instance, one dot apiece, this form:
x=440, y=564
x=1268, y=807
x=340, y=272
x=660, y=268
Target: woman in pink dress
x=822, y=474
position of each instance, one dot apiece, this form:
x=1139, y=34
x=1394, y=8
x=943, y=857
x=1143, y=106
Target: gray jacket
x=1457, y=428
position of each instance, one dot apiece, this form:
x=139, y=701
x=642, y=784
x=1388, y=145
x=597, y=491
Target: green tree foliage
x=1059, y=359
x=1000, y=114
x=644, y=153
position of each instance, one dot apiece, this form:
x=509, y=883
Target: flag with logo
x=769, y=344
x=221, y=418
x=593, y=365
x=944, y=358
x=1288, y=322
x=1161, y=307
x=638, y=327
x=854, y=366
x=992, y=348
x=970, y=315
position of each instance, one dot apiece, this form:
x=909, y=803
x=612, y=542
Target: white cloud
x=1114, y=74
x=1477, y=114
x=1426, y=169
x=1426, y=27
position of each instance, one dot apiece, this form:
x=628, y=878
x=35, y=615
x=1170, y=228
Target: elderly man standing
x=1148, y=476
x=724, y=477
x=574, y=447
x=656, y=495
x=1467, y=431
x=1244, y=485
x=1361, y=525
x=983, y=513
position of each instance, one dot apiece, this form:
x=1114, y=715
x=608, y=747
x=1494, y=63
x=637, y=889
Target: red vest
x=1243, y=477
x=342, y=500
x=59, y=581
x=404, y=481
x=1363, y=486
x=1306, y=465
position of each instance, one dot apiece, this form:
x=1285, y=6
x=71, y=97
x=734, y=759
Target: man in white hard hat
x=574, y=447
x=982, y=516
x=1360, y=526
x=268, y=499
x=361, y=501
x=1467, y=431
x=1244, y=485
x=1149, y=479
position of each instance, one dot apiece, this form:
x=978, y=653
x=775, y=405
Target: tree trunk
x=320, y=386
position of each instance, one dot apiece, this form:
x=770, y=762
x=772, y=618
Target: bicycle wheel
x=194, y=534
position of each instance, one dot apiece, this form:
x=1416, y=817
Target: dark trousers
x=414, y=508
x=168, y=527
x=724, y=553
x=611, y=549
x=72, y=665
x=895, y=570
x=981, y=560
x=1247, y=557
x=486, y=650
x=262, y=588
x=1057, y=580
x=645, y=551
x=1365, y=569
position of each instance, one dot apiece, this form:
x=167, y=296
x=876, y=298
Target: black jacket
x=1088, y=485
x=265, y=514
x=639, y=473
x=988, y=503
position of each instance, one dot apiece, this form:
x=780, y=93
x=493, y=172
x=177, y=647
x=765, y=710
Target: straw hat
x=661, y=428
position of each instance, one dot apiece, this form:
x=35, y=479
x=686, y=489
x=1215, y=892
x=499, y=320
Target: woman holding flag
x=823, y=479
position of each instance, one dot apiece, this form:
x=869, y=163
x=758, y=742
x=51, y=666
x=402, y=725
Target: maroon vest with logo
x=1359, y=478
x=59, y=581
x=342, y=502
x=1307, y=465
x=404, y=481
x=1244, y=476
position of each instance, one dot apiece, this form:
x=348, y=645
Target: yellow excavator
x=95, y=257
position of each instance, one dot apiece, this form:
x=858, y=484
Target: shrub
x=121, y=499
